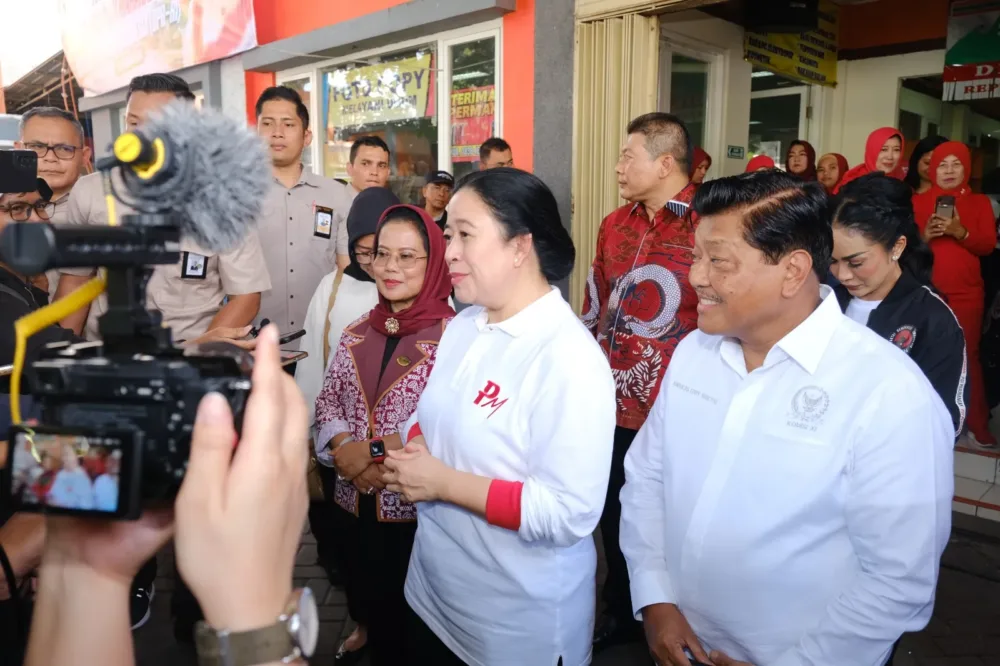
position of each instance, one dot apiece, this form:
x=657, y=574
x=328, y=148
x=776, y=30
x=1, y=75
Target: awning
x=587, y=10
x=42, y=86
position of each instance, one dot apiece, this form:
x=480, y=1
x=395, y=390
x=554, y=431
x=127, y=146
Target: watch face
x=377, y=447
x=304, y=624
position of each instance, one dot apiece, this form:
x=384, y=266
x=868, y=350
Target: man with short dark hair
x=639, y=305
x=788, y=499
x=304, y=235
x=495, y=153
x=369, y=163
x=437, y=194
x=190, y=294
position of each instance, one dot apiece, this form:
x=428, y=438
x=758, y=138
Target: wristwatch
x=377, y=448
x=292, y=636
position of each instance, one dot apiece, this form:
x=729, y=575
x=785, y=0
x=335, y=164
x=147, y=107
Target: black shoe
x=345, y=657
x=608, y=633
x=141, y=605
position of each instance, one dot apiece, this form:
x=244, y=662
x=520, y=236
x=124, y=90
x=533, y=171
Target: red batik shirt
x=639, y=303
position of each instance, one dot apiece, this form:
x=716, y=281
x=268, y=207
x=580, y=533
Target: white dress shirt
x=528, y=399
x=796, y=514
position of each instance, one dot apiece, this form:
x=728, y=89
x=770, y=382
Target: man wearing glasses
x=56, y=136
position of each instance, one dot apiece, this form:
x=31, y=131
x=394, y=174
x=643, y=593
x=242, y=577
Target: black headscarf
x=362, y=220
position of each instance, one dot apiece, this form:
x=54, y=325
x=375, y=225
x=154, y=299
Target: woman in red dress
x=957, y=242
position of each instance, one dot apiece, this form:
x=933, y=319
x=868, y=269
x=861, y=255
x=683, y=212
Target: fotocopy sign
x=972, y=62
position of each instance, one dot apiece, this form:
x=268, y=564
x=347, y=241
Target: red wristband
x=414, y=432
x=503, y=504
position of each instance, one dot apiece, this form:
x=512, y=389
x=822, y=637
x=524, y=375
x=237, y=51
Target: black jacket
x=17, y=299
x=915, y=318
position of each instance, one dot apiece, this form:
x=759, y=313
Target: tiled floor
x=965, y=629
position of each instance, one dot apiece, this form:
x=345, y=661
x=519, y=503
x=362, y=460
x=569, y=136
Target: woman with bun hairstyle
x=509, y=452
x=958, y=241
x=884, y=269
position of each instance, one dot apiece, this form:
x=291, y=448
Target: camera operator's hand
x=240, y=517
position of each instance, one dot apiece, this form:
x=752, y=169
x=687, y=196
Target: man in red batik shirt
x=639, y=305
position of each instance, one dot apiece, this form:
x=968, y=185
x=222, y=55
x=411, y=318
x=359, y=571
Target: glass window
x=304, y=88
x=774, y=124
x=689, y=94
x=473, y=101
x=392, y=97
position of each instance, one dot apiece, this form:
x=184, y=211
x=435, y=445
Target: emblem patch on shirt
x=809, y=404
x=194, y=266
x=487, y=397
x=323, y=224
x=904, y=337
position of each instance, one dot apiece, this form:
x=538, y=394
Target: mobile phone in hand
x=285, y=338
x=945, y=207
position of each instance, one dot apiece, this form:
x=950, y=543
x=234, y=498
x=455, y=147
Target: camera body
x=125, y=404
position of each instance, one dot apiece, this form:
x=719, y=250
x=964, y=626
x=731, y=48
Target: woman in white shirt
x=341, y=298
x=72, y=488
x=510, y=449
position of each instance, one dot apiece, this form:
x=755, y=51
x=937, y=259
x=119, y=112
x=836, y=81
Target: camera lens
x=25, y=160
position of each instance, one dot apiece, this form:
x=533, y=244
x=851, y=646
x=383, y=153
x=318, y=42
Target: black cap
x=442, y=177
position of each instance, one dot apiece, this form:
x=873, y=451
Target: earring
x=895, y=257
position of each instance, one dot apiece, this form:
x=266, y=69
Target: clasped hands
x=354, y=463
x=411, y=471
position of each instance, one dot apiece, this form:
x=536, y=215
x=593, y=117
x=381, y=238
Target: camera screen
x=69, y=473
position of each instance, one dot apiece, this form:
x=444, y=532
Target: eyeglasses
x=62, y=151
x=21, y=212
x=405, y=261
x=364, y=258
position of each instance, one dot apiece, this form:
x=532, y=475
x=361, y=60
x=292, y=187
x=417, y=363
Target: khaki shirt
x=61, y=216
x=189, y=293
x=301, y=243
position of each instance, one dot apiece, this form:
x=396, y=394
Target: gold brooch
x=392, y=325
x=403, y=361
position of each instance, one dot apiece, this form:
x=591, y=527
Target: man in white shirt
x=788, y=499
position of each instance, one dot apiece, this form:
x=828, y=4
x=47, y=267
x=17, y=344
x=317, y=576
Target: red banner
x=107, y=42
x=473, y=120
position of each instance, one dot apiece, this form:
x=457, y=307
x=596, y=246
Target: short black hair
x=52, y=112
x=287, y=94
x=493, y=145
x=781, y=213
x=372, y=141
x=881, y=209
x=924, y=146
x=666, y=134
x=154, y=83
x=523, y=204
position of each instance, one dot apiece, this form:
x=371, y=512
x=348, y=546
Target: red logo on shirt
x=488, y=398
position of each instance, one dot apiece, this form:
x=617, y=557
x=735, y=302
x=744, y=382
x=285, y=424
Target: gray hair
x=52, y=112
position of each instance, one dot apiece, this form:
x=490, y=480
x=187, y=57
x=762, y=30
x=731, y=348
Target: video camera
x=117, y=415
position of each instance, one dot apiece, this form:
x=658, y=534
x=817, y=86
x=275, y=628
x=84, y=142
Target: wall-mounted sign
x=381, y=93
x=107, y=42
x=810, y=57
x=735, y=152
x=473, y=117
x=972, y=62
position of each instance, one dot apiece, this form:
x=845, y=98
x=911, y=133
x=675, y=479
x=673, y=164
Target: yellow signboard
x=810, y=57
x=386, y=92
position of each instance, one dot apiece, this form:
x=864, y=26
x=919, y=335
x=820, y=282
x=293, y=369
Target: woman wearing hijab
x=918, y=176
x=957, y=243
x=510, y=449
x=830, y=170
x=700, y=164
x=371, y=388
x=760, y=163
x=801, y=160
x=884, y=268
x=883, y=152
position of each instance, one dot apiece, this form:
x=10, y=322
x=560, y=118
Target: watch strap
x=246, y=648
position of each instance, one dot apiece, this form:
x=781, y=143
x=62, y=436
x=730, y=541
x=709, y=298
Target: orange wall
x=280, y=19
x=892, y=22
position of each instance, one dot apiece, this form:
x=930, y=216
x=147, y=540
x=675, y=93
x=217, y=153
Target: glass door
x=779, y=114
x=689, y=88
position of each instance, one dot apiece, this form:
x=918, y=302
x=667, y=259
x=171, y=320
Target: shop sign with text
x=107, y=42
x=386, y=92
x=972, y=62
x=473, y=118
x=810, y=57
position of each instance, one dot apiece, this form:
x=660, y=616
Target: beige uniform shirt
x=189, y=293
x=61, y=216
x=302, y=230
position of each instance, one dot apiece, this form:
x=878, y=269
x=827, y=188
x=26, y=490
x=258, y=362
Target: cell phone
x=18, y=171
x=285, y=338
x=945, y=207
x=74, y=472
x=289, y=357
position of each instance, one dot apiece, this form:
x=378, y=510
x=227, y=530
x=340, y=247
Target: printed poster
x=473, y=118
x=381, y=93
x=810, y=57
